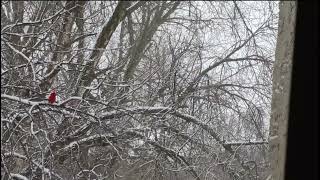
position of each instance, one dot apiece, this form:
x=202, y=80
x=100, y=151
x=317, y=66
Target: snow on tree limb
x=18, y=176
x=18, y=99
x=65, y=110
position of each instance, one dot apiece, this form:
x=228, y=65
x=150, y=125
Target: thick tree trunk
x=281, y=89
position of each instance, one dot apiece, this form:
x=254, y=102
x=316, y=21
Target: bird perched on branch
x=52, y=96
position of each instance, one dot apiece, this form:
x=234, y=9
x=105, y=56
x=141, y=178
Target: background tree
x=146, y=90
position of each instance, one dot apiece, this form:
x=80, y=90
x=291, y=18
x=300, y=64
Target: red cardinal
x=52, y=97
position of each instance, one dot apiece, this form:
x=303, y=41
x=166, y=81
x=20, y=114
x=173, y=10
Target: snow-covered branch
x=136, y=110
x=22, y=100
